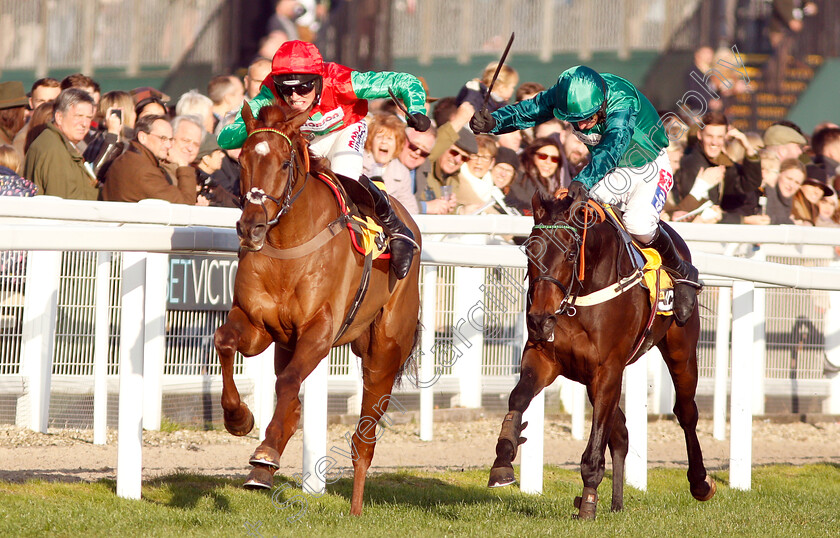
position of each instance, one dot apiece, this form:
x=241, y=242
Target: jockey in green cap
x=628, y=165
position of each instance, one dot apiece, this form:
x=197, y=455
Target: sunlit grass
x=784, y=501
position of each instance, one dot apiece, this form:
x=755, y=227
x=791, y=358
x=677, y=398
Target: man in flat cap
x=784, y=142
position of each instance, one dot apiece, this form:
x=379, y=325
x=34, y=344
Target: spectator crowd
x=67, y=139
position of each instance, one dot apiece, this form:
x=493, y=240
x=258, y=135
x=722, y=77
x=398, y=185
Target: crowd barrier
x=152, y=235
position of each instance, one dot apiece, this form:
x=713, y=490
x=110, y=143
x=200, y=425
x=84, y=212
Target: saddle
x=646, y=260
x=356, y=203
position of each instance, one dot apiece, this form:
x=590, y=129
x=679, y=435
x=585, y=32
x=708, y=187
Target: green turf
x=784, y=501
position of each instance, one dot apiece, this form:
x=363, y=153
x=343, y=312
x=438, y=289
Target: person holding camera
x=334, y=99
x=113, y=130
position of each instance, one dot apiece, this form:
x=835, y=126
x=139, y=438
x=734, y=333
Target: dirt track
x=70, y=455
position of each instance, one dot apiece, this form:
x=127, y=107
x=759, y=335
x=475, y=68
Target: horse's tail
x=410, y=364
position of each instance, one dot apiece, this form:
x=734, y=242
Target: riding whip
x=498, y=68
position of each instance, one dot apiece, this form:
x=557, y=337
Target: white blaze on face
x=261, y=148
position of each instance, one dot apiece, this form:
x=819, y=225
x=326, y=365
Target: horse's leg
x=266, y=459
x=679, y=350
x=312, y=345
x=538, y=371
x=604, y=394
x=383, y=350
x=237, y=333
x=618, y=445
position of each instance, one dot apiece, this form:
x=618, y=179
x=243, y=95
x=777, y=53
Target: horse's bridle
x=569, y=293
x=258, y=196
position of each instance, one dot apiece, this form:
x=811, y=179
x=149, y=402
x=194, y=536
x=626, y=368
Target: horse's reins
x=258, y=196
x=566, y=306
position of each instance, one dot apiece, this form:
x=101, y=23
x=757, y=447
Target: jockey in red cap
x=335, y=99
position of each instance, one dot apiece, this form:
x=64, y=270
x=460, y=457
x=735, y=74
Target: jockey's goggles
x=304, y=88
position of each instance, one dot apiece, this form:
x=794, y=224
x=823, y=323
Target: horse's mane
x=275, y=117
x=555, y=210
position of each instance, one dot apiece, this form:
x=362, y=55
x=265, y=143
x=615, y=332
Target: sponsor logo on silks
x=592, y=139
x=666, y=181
x=320, y=123
x=666, y=301
x=357, y=138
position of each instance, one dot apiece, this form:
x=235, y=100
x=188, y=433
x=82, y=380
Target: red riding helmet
x=295, y=63
x=297, y=57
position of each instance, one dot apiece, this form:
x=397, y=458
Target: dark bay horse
x=296, y=284
x=592, y=344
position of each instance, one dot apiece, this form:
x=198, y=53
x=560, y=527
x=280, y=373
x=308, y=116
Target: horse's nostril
x=258, y=232
x=541, y=326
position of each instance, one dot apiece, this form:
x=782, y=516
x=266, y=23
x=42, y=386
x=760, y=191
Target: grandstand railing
x=88, y=35
x=438, y=28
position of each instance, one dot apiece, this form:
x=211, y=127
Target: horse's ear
x=538, y=205
x=248, y=117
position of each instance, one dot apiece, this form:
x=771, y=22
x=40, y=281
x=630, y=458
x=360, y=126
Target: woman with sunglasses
x=334, y=97
x=629, y=165
x=543, y=170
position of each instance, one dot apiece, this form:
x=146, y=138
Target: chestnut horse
x=592, y=344
x=300, y=298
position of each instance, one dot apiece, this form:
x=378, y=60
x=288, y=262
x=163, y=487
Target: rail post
x=39, y=318
x=724, y=312
x=133, y=323
x=427, y=377
x=100, y=354
x=636, y=410
x=154, y=347
x=740, y=447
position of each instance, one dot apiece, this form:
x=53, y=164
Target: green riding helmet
x=579, y=94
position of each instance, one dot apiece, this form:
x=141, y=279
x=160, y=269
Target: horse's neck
x=601, y=254
x=310, y=213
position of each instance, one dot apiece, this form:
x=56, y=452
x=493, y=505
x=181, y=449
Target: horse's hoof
x=709, y=494
x=586, y=504
x=500, y=477
x=243, y=426
x=260, y=477
x=265, y=455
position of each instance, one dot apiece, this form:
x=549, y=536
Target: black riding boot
x=401, y=241
x=687, y=285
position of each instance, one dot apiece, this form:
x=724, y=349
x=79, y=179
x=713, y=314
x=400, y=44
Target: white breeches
x=639, y=192
x=344, y=149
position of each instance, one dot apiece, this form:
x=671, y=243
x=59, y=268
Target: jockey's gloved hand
x=578, y=191
x=418, y=121
x=482, y=122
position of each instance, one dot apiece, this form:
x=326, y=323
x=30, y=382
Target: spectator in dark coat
x=709, y=174
x=137, y=174
x=542, y=170
x=53, y=161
